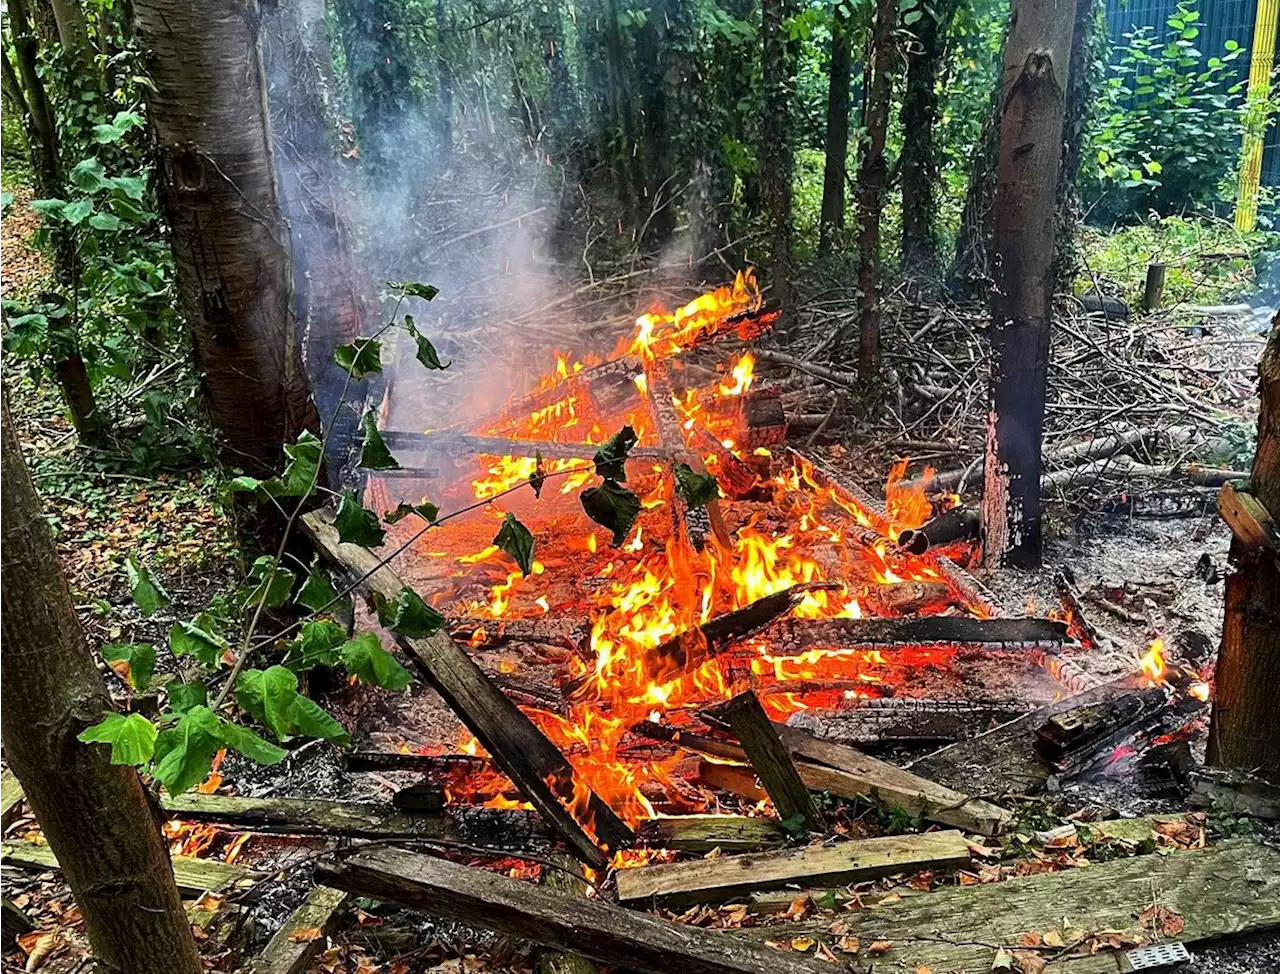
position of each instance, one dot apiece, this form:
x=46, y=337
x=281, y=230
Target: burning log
x=771, y=761
x=905, y=720
x=957, y=524
x=732, y=877
x=972, y=592
x=906, y=598
x=517, y=747
x=439, y=444
x=595, y=929
x=794, y=637
x=764, y=421
x=735, y=477
x=1077, y=620
x=437, y=764
x=1071, y=738
x=702, y=833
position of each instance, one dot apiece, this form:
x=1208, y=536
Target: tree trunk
x=834, y=172
x=444, y=81
x=919, y=156
x=73, y=380
x=230, y=245
x=94, y=814
x=1083, y=80
x=652, y=47
x=1037, y=58
x=1244, y=732
x=381, y=81
x=872, y=176
x=776, y=153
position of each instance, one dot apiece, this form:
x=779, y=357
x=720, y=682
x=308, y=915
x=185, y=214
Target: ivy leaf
x=314, y=721
x=244, y=741
x=360, y=358
x=414, y=289
x=302, y=469
x=611, y=458
x=424, y=509
x=374, y=454
x=695, y=489
x=132, y=738
x=88, y=175
x=198, y=638
x=517, y=541
x=146, y=591
x=184, y=753
x=317, y=591
x=366, y=660
x=612, y=506
x=267, y=588
x=356, y=524
x=427, y=354
x=539, y=476
x=411, y=617
x=279, y=691
x=243, y=485
x=139, y=660
x=184, y=696
x=317, y=645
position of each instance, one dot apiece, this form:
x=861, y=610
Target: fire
x=1152, y=664
x=661, y=333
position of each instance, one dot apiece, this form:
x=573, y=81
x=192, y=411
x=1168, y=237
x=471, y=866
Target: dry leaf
x=880, y=946
x=802, y=943
x=304, y=935
x=1053, y=939
x=924, y=969
x=922, y=881
x=1028, y=962
x=890, y=898
x=1160, y=919
x=825, y=953
x=984, y=851
x=850, y=945
x=1003, y=961
x=38, y=949
x=801, y=907
x=1030, y=939
x=838, y=928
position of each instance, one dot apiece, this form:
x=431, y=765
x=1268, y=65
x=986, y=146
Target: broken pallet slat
x=302, y=936
x=729, y=877
x=1231, y=888
x=193, y=876
x=702, y=833
x=517, y=747
x=797, y=636
x=11, y=794
x=605, y=933
x=309, y=815
x=566, y=879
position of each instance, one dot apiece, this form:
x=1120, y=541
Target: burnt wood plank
x=193, y=876
x=792, y=636
x=605, y=933
x=517, y=747
x=702, y=833
x=729, y=877
x=291, y=949
x=304, y=816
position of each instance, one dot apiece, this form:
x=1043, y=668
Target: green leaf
x=279, y=691
x=184, y=696
x=147, y=593
x=317, y=644
x=314, y=721
x=426, y=351
x=517, y=541
x=795, y=825
x=424, y=509
x=134, y=187
x=184, y=753
x=48, y=208
x=244, y=741
x=243, y=484
x=317, y=592
x=695, y=489
x=410, y=616
x=539, y=476
x=302, y=469
x=249, y=694
x=265, y=587
x=414, y=289
x=360, y=358
x=612, y=506
x=374, y=455
x=105, y=221
x=132, y=738
x=198, y=638
x=88, y=175
x=356, y=524
x=141, y=658
x=366, y=660
x=611, y=458
x=75, y=213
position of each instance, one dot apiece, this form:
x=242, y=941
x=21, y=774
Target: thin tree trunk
x=873, y=175
x=73, y=381
x=444, y=81
x=94, y=814
x=230, y=244
x=652, y=48
x=1037, y=59
x=381, y=80
x=776, y=152
x=834, y=171
x=1066, y=263
x=1244, y=733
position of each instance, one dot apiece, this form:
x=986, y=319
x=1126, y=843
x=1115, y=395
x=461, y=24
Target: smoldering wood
x=957, y=524
x=702, y=833
x=907, y=598
x=434, y=445
x=590, y=927
x=905, y=720
x=1071, y=737
x=487, y=633
x=793, y=637
x=438, y=764
x=424, y=796
x=516, y=746
x=764, y=421
x=1064, y=584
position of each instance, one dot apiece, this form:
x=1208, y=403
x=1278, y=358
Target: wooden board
x=702, y=833
x=729, y=877
x=566, y=879
x=1232, y=888
x=518, y=748
x=11, y=795
x=194, y=876
x=609, y=934
x=291, y=949
x=306, y=815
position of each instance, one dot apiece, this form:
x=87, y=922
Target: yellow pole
x=1260, y=63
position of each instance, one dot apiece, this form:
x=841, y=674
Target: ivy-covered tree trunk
x=1037, y=60
x=1084, y=79
x=381, y=79
x=212, y=132
x=873, y=176
x=94, y=814
x=776, y=152
x=834, y=171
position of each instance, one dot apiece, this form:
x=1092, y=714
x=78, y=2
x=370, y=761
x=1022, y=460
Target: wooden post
x=1155, y=287
x=771, y=761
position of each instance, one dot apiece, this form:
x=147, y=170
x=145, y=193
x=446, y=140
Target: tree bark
x=834, y=170
x=1037, y=57
x=1244, y=732
x=776, y=152
x=873, y=175
x=444, y=82
x=230, y=244
x=381, y=80
x=1066, y=262
x=94, y=814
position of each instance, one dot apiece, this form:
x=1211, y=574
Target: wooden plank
x=605, y=933
x=797, y=636
x=770, y=760
x=566, y=879
x=729, y=877
x=702, y=833
x=291, y=949
x=519, y=749
x=11, y=795
x=1227, y=889
x=194, y=876
x=304, y=816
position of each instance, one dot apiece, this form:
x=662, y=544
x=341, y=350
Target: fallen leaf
x=1003, y=961
x=890, y=898
x=38, y=949
x=801, y=907
x=1160, y=919
x=1028, y=962
x=304, y=935
x=802, y=944
x=838, y=928
x=1030, y=939
x=850, y=945
x=984, y=851
x=924, y=969
x=1052, y=938
x=880, y=946
x=922, y=881
x=825, y=953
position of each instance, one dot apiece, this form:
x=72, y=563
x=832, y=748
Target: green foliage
x=612, y=506
x=426, y=351
x=357, y=524
x=611, y=458
x=695, y=489
x=268, y=584
x=141, y=660
x=409, y=616
x=374, y=454
x=301, y=471
x=132, y=738
x=366, y=660
x=199, y=638
x=146, y=591
x=424, y=509
x=317, y=592
x=271, y=697
x=517, y=541
x=361, y=358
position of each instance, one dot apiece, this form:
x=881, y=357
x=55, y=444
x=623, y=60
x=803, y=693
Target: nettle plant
x=221, y=701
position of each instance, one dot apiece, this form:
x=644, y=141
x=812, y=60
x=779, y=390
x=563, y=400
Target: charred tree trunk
x=1082, y=81
x=1244, y=733
x=230, y=244
x=95, y=814
x=834, y=170
x=1037, y=58
x=873, y=174
x=776, y=153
